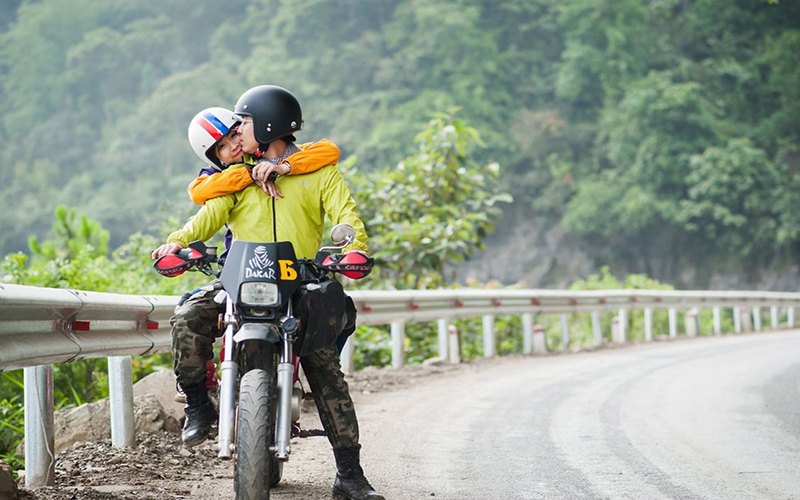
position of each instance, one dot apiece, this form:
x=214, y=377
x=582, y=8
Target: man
x=214, y=137
x=270, y=117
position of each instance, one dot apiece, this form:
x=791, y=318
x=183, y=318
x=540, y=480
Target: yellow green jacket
x=300, y=214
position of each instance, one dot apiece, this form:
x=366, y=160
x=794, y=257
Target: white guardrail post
x=120, y=390
x=597, y=329
x=489, y=341
x=737, y=319
x=648, y=324
x=773, y=317
x=539, y=340
x=454, y=345
x=691, y=323
x=398, y=344
x=443, y=329
x=527, y=333
x=40, y=462
x=747, y=319
x=564, y=332
x=673, y=323
x=790, y=317
x=757, y=318
x=717, y=320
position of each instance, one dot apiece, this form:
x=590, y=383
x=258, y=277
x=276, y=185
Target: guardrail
x=42, y=326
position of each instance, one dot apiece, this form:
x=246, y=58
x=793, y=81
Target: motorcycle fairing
x=263, y=262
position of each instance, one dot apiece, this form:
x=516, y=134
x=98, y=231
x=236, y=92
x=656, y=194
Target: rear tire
x=256, y=466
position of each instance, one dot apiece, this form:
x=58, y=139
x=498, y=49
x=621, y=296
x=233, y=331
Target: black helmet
x=275, y=112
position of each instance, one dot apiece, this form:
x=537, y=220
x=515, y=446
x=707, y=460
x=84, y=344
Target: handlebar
x=198, y=257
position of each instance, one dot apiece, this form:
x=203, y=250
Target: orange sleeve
x=228, y=181
x=313, y=156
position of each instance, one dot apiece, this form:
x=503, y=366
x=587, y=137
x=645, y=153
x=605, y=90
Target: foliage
x=72, y=236
x=596, y=109
x=433, y=210
x=12, y=417
x=732, y=198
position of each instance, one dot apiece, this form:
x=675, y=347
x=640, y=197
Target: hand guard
x=175, y=264
x=355, y=265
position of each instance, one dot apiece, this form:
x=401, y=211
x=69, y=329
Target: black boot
x=350, y=483
x=200, y=415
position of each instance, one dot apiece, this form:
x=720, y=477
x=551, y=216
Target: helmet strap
x=262, y=149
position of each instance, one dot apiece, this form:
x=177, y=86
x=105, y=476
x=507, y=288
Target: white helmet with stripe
x=207, y=128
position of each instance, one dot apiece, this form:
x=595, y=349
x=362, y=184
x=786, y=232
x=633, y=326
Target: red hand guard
x=355, y=265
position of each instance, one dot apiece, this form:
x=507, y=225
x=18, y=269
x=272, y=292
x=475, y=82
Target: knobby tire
x=256, y=466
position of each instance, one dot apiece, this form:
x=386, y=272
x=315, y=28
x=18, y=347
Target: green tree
x=731, y=202
x=433, y=210
x=73, y=234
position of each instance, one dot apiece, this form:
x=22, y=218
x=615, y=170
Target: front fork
x=283, y=425
x=283, y=421
x=227, y=396
x=227, y=390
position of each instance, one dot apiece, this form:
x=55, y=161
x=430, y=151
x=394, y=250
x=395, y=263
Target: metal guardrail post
x=691, y=324
x=597, y=328
x=790, y=316
x=40, y=467
x=443, y=328
x=623, y=326
x=773, y=317
x=737, y=319
x=747, y=320
x=564, y=332
x=717, y=321
x=454, y=347
x=488, y=336
x=539, y=340
x=757, y=318
x=673, y=323
x=398, y=344
x=347, y=357
x=120, y=390
x=527, y=333
x=648, y=324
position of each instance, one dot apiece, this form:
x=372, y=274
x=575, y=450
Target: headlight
x=259, y=294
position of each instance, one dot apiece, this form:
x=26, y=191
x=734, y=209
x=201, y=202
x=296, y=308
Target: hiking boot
x=200, y=415
x=350, y=483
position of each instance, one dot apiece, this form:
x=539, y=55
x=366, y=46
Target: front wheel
x=255, y=431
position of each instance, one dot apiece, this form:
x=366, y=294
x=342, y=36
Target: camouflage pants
x=194, y=330
x=332, y=397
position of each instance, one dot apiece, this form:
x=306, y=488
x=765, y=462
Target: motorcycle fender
x=258, y=331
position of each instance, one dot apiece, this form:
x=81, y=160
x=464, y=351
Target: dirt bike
x=260, y=391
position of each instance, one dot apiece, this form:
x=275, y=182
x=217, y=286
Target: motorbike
x=263, y=285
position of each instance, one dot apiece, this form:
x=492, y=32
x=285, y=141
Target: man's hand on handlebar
x=165, y=249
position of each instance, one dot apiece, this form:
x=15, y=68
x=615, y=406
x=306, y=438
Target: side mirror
x=342, y=235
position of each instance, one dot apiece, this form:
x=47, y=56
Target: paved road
x=705, y=418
